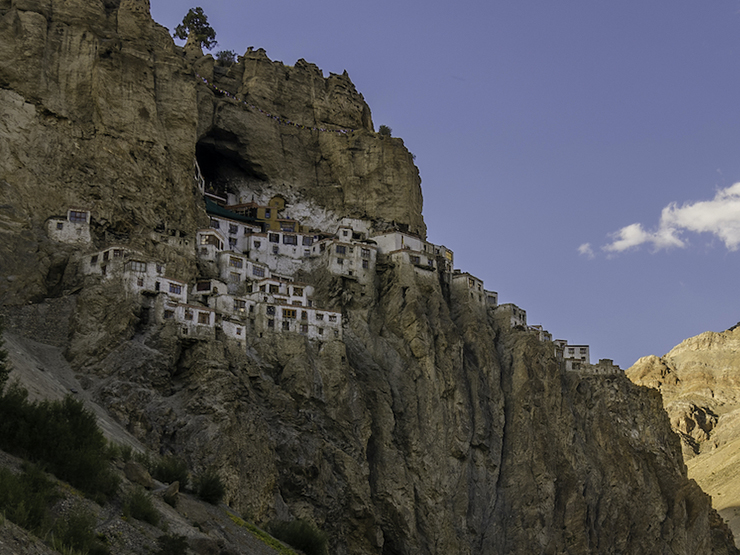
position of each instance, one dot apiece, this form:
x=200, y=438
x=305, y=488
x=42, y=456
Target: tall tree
x=195, y=23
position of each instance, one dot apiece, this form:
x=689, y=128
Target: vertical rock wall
x=428, y=430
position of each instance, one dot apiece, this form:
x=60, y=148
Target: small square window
x=60, y=225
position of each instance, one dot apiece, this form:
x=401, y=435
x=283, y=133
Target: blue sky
x=546, y=132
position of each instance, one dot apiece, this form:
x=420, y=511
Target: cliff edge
x=329, y=362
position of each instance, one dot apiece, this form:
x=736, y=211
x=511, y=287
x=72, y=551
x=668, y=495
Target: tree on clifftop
x=195, y=23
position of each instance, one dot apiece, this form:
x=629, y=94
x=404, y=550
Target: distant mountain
x=699, y=380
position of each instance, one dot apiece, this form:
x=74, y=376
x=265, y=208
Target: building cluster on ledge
x=255, y=250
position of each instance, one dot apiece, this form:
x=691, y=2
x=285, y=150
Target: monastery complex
x=256, y=250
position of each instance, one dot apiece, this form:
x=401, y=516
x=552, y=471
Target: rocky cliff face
x=699, y=383
x=431, y=428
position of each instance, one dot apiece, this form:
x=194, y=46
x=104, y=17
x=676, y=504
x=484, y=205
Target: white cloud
x=719, y=216
x=586, y=250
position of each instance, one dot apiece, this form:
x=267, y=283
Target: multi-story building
x=74, y=228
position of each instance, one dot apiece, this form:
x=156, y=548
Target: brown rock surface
x=426, y=430
x=700, y=383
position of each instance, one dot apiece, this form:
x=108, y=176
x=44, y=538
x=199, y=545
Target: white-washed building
x=234, y=329
x=390, y=242
x=491, y=298
x=445, y=258
x=353, y=228
x=575, y=356
x=209, y=242
x=541, y=333
x=468, y=286
x=283, y=252
x=140, y=275
x=317, y=324
x=109, y=262
x=192, y=321
x=425, y=262
x=351, y=259
x=175, y=289
x=238, y=307
x=235, y=233
x=74, y=228
x=206, y=288
x=516, y=316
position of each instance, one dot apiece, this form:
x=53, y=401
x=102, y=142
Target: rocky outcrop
x=100, y=110
x=427, y=429
x=245, y=151
x=699, y=383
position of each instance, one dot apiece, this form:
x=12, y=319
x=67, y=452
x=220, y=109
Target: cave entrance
x=224, y=167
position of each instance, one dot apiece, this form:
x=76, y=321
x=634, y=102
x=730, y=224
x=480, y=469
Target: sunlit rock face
x=428, y=428
x=699, y=382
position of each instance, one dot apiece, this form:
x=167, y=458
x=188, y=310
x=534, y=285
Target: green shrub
x=139, y=505
x=120, y=451
x=226, y=57
x=210, y=488
x=301, y=535
x=25, y=498
x=62, y=435
x=384, y=131
x=261, y=535
x=172, y=545
x=76, y=532
x=171, y=469
x=145, y=460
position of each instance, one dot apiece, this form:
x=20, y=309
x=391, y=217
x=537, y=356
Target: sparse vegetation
x=209, y=487
x=301, y=535
x=63, y=435
x=171, y=469
x=76, y=533
x=139, y=505
x=384, y=131
x=263, y=536
x=195, y=23
x=226, y=57
x=25, y=498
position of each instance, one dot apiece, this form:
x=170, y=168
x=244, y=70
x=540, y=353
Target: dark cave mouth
x=222, y=164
